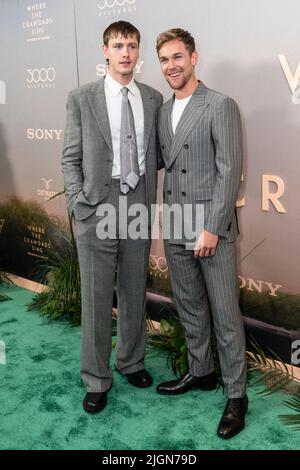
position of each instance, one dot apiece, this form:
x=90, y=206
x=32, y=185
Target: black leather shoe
x=233, y=419
x=94, y=402
x=188, y=382
x=140, y=378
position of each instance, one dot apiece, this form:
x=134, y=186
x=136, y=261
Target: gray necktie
x=130, y=173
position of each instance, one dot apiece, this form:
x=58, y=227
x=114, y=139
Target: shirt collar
x=114, y=87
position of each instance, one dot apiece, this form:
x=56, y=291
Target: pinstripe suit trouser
x=203, y=285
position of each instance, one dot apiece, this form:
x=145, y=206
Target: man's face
x=177, y=64
x=122, y=54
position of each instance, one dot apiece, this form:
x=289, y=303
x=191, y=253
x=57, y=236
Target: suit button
x=186, y=146
x=169, y=170
x=169, y=192
x=229, y=227
x=106, y=184
x=183, y=171
x=163, y=147
x=183, y=193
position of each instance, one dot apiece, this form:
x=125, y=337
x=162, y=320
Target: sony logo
x=259, y=286
x=101, y=68
x=44, y=134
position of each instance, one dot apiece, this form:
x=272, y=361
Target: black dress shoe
x=233, y=419
x=188, y=382
x=94, y=402
x=140, y=378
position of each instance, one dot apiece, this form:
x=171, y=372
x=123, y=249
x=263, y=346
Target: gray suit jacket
x=88, y=153
x=203, y=160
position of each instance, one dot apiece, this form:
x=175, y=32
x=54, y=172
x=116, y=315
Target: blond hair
x=176, y=33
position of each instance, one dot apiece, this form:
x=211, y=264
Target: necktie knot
x=124, y=90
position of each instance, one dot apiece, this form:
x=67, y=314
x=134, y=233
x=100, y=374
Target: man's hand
x=206, y=245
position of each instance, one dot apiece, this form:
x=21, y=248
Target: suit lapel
x=148, y=105
x=97, y=101
x=169, y=127
x=165, y=126
x=190, y=116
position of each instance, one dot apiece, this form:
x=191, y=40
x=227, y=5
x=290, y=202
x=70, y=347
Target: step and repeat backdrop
x=248, y=50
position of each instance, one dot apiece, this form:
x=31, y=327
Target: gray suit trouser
x=100, y=262
x=205, y=285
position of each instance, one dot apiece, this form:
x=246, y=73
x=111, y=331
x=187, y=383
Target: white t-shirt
x=178, y=108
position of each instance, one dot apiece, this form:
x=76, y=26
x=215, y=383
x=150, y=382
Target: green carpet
x=41, y=395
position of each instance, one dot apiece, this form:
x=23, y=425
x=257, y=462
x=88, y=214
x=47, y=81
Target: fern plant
x=292, y=419
x=170, y=341
x=276, y=376
x=61, y=295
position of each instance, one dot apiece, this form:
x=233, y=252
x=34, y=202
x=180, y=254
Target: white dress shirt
x=113, y=97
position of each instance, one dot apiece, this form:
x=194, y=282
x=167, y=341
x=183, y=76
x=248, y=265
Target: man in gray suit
x=201, y=142
x=110, y=157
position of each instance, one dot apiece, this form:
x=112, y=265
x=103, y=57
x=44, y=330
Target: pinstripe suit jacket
x=203, y=160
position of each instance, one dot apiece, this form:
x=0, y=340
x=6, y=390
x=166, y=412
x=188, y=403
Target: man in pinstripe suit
x=201, y=142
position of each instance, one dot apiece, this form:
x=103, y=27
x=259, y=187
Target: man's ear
x=104, y=50
x=194, y=58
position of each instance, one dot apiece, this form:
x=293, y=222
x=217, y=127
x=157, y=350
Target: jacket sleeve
x=227, y=139
x=72, y=153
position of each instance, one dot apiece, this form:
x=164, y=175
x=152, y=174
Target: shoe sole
x=140, y=386
x=206, y=388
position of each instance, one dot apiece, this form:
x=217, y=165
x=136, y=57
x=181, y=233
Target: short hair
x=124, y=28
x=176, y=33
